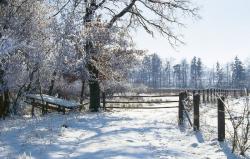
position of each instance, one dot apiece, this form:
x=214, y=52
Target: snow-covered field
x=127, y=134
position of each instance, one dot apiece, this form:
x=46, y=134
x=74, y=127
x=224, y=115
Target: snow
x=118, y=134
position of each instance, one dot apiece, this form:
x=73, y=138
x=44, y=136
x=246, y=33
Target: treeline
x=156, y=72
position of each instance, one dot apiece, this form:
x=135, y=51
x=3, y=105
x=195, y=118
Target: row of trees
x=156, y=72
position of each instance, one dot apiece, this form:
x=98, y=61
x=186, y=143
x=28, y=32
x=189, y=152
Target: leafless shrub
x=240, y=124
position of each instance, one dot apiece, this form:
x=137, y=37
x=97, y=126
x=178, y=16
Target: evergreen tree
x=184, y=72
x=193, y=73
x=199, y=72
x=168, y=73
x=219, y=75
x=196, y=73
x=238, y=75
x=146, y=70
x=156, y=70
x=177, y=75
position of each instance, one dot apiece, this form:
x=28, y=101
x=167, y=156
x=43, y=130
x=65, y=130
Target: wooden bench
x=46, y=102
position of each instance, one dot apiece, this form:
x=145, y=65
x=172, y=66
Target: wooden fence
x=131, y=100
x=215, y=96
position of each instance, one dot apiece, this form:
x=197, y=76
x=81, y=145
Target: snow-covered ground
x=127, y=134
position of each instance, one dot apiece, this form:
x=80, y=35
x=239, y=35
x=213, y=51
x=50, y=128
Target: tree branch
x=122, y=13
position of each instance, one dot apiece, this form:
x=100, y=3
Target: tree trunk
x=52, y=83
x=82, y=92
x=94, y=95
x=6, y=103
x=1, y=106
x=19, y=94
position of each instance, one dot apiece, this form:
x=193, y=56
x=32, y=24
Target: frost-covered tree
x=196, y=73
x=199, y=72
x=184, y=73
x=23, y=46
x=156, y=70
x=238, y=73
x=146, y=68
x=177, y=75
x=219, y=75
x=193, y=73
x=168, y=72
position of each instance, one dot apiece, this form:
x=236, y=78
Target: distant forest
x=155, y=72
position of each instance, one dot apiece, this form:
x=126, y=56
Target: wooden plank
x=173, y=95
x=140, y=107
x=128, y=102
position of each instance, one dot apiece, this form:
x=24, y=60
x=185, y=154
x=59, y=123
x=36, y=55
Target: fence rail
x=145, y=102
x=141, y=107
x=105, y=101
x=169, y=95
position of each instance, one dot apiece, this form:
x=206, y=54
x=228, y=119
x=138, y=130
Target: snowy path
x=128, y=134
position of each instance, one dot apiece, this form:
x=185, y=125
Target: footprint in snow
x=213, y=143
x=218, y=150
x=194, y=145
x=129, y=140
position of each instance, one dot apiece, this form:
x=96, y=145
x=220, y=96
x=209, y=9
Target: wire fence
x=213, y=107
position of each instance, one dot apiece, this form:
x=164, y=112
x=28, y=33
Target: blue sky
x=222, y=33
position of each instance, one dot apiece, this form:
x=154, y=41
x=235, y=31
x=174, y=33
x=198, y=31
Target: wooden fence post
x=196, y=102
x=242, y=92
x=64, y=110
x=208, y=95
x=33, y=107
x=103, y=100
x=203, y=96
x=43, y=109
x=181, y=107
x=234, y=93
x=221, y=119
x=47, y=107
x=211, y=95
x=214, y=95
